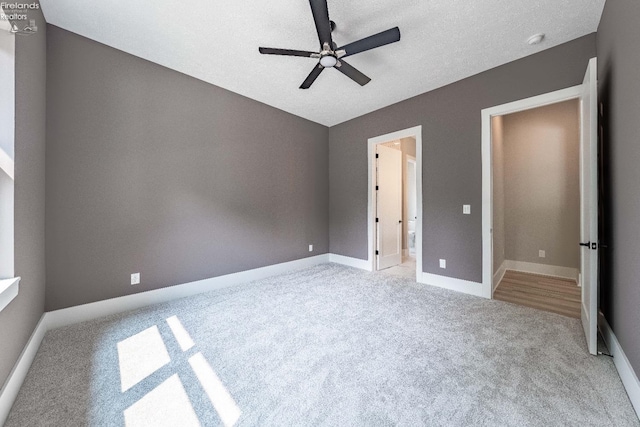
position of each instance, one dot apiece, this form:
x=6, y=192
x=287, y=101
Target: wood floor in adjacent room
x=554, y=294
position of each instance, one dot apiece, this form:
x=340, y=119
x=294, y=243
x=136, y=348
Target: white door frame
x=575, y=92
x=371, y=211
x=410, y=160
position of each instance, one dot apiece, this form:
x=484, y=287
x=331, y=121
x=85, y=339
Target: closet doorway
x=536, y=207
x=583, y=227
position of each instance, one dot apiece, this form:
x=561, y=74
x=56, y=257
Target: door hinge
x=377, y=155
x=377, y=188
x=377, y=219
x=377, y=253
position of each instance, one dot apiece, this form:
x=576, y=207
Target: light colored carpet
x=329, y=345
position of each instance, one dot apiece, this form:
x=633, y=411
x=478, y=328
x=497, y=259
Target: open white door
x=388, y=207
x=589, y=206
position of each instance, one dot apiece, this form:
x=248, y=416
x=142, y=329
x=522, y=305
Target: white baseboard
x=546, y=270
x=94, y=310
x=362, y=264
x=497, y=278
x=625, y=370
x=12, y=386
x=459, y=285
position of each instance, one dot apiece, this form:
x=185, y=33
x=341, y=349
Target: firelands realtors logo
x=17, y=11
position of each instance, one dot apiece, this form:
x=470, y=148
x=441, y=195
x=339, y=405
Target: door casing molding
x=555, y=97
x=371, y=212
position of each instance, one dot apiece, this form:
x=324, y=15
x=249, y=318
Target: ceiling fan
x=330, y=56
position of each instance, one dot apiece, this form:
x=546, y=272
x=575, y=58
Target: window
x=8, y=283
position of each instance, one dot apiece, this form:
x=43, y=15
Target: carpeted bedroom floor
x=328, y=345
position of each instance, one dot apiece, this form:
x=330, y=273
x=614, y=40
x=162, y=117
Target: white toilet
x=411, y=237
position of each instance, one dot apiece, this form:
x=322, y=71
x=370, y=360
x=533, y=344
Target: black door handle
x=592, y=245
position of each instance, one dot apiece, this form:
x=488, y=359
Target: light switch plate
x=542, y=254
x=466, y=209
x=135, y=278
x=443, y=263
x=310, y=248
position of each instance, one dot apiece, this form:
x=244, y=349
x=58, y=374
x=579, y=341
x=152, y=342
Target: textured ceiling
x=217, y=41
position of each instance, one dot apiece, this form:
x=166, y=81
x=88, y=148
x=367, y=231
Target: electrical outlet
x=542, y=254
x=443, y=263
x=135, y=278
x=466, y=209
x=310, y=248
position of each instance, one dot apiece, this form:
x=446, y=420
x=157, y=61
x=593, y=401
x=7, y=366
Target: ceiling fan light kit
x=330, y=56
x=328, y=61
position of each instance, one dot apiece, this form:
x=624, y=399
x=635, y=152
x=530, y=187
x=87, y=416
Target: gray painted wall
x=152, y=171
x=450, y=119
x=20, y=317
x=542, y=185
x=619, y=62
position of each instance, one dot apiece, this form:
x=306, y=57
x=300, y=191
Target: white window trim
x=8, y=291
x=6, y=164
x=8, y=286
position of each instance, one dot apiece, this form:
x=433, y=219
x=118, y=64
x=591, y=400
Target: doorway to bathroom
x=395, y=231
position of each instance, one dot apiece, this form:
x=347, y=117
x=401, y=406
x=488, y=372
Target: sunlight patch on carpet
x=180, y=333
x=140, y=356
x=165, y=405
x=216, y=391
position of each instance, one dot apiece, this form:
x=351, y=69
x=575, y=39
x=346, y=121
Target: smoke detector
x=536, y=39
